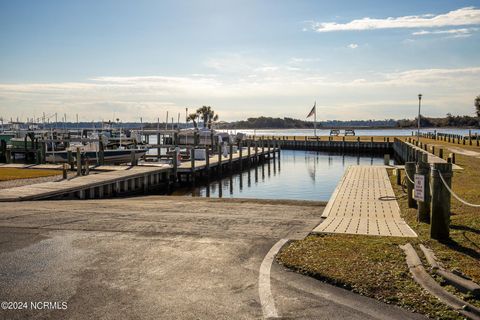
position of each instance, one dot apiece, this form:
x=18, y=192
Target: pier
x=111, y=181
x=364, y=203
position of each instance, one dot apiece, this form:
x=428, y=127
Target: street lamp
x=419, y=105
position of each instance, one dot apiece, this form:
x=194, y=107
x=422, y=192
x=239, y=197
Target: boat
x=109, y=156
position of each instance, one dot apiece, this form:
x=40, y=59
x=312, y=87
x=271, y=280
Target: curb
x=421, y=276
x=462, y=284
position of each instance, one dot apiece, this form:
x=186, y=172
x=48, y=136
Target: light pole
x=419, y=105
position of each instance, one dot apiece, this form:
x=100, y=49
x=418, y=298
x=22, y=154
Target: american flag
x=313, y=111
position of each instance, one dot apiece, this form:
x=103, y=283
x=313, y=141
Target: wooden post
x=249, y=153
x=79, y=162
x=470, y=137
x=132, y=158
x=219, y=164
x=101, y=156
x=440, y=224
x=175, y=165
x=240, y=157
x=43, y=152
x=230, y=156
x=399, y=176
x=423, y=168
x=70, y=159
x=158, y=146
x=207, y=160
x=192, y=163
x=440, y=153
x=87, y=166
x=64, y=171
x=410, y=172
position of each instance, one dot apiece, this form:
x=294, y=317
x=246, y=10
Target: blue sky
x=358, y=60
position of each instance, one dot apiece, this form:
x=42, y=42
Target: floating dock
x=364, y=203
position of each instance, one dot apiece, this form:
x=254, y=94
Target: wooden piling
x=410, y=172
x=440, y=224
x=79, y=162
x=423, y=169
x=230, y=156
x=192, y=163
x=219, y=164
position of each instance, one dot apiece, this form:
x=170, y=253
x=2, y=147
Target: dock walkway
x=90, y=186
x=364, y=203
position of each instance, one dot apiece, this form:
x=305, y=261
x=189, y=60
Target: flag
x=313, y=111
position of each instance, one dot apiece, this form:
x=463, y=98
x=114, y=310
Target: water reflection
x=305, y=175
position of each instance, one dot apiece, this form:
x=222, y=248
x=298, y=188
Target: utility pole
x=419, y=106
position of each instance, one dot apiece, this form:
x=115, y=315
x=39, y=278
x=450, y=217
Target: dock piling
x=423, y=169
x=409, y=173
x=440, y=224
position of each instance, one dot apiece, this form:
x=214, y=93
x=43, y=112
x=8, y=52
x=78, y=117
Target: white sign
x=419, y=188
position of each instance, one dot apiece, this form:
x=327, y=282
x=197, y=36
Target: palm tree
x=477, y=105
x=193, y=117
x=207, y=114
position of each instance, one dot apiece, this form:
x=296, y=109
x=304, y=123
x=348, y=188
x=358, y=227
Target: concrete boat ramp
x=364, y=203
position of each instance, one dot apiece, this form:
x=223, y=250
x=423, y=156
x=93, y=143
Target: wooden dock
x=410, y=152
x=95, y=185
x=364, y=203
x=108, y=181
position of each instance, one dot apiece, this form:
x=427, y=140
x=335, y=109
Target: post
x=175, y=164
x=132, y=158
x=249, y=153
x=410, y=172
x=207, y=160
x=100, y=152
x=64, y=171
x=240, y=157
x=219, y=164
x=440, y=224
x=399, y=176
x=230, y=156
x=70, y=159
x=79, y=162
x=386, y=159
x=440, y=153
x=192, y=163
x=423, y=169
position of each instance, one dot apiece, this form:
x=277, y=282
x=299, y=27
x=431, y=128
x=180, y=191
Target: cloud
x=353, y=46
x=278, y=91
x=456, y=33
x=460, y=17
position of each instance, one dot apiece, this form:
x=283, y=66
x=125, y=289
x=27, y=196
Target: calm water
x=298, y=175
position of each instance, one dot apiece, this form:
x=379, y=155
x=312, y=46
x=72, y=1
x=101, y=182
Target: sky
x=112, y=59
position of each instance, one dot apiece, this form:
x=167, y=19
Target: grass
x=369, y=265
x=375, y=266
x=18, y=173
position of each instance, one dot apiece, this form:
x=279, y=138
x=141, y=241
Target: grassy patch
x=18, y=173
x=368, y=265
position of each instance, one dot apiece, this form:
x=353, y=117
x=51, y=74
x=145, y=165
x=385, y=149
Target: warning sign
x=419, y=188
